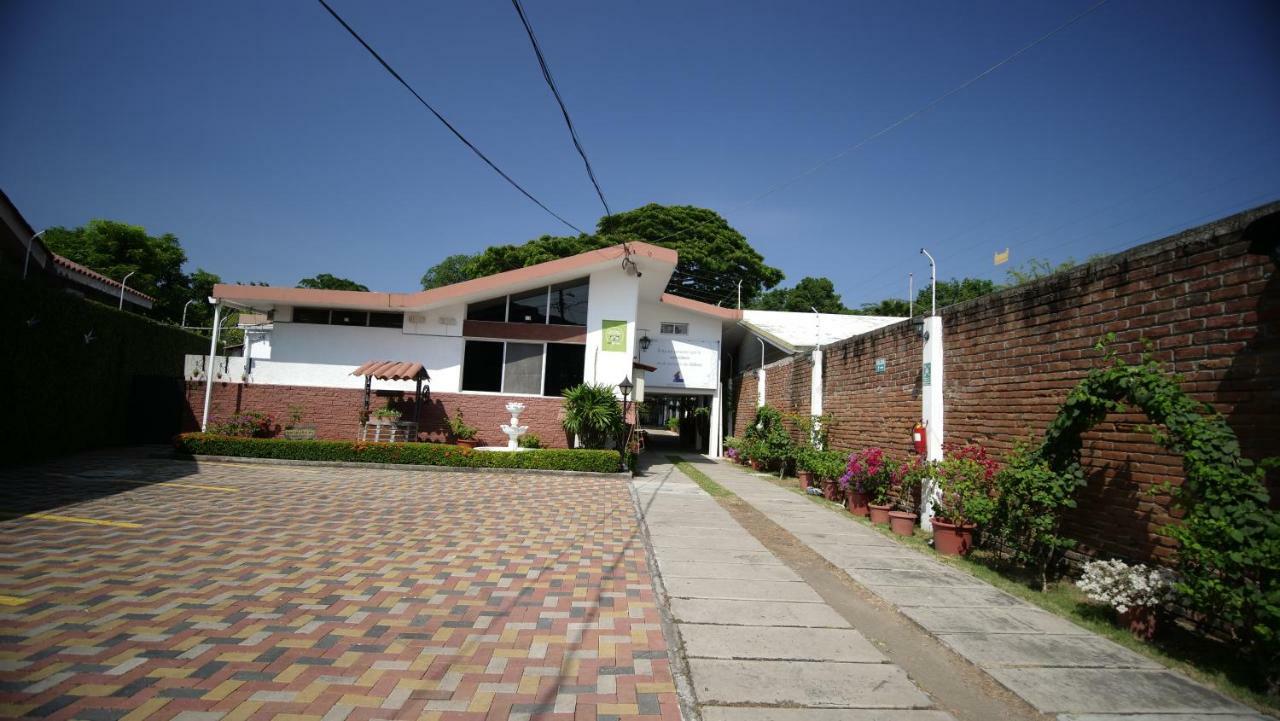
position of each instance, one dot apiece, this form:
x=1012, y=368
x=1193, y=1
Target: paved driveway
x=151, y=589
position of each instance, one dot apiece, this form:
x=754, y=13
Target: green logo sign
x=880, y=364
x=614, y=335
x=928, y=374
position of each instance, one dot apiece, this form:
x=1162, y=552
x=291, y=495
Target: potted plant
x=592, y=415
x=770, y=442
x=384, y=416
x=296, y=432
x=1137, y=592
x=904, y=489
x=463, y=434
x=807, y=462
x=865, y=473
x=966, y=482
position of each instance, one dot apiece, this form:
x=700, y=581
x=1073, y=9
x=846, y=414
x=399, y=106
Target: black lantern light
x=645, y=342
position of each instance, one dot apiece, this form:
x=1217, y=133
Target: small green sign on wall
x=614, y=334
x=880, y=365
x=928, y=374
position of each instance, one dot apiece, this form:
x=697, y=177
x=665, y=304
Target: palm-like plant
x=592, y=413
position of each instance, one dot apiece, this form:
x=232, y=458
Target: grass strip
x=703, y=480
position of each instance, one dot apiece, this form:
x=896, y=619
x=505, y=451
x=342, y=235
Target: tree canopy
x=713, y=255
x=325, y=281
x=808, y=295
x=116, y=249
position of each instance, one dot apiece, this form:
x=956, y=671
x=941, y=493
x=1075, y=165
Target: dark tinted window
x=529, y=307
x=569, y=303
x=563, y=368
x=386, y=320
x=523, y=373
x=348, y=317
x=495, y=309
x=311, y=315
x=482, y=366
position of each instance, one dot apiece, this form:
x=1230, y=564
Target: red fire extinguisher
x=919, y=438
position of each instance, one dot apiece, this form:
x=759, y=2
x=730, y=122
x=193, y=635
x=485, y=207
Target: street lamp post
x=27, y=260
x=626, y=386
x=184, y=311
x=124, y=284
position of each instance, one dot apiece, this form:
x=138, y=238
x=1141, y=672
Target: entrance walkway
x=1056, y=666
x=760, y=643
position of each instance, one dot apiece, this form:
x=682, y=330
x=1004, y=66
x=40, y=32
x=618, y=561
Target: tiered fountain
x=513, y=430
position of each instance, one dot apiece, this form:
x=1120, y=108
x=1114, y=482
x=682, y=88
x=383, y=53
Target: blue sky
x=275, y=148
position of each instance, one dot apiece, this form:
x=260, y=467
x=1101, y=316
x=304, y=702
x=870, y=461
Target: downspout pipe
x=213, y=351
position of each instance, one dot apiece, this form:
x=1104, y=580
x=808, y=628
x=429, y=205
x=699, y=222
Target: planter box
x=299, y=434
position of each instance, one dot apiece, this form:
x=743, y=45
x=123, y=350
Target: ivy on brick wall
x=1228, y=559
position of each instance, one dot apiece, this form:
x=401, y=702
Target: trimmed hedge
x=418, y=454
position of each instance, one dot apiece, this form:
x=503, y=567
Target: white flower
x=1122, y=586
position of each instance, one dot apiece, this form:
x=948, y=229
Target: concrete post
x=815, y=393
x=213, y=351
x=931, y=407
x=760, y=387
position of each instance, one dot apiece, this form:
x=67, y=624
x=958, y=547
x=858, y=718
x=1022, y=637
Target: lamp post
x=931, y=391
x=123, y=285
x=27, y=260
x=184, y=311
x=626, y=386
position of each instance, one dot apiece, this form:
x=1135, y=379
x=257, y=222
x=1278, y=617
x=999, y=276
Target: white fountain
x=513, y=430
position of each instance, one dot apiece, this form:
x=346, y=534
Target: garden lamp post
x=26, y=261
x=625, y=387
x=124, y=284
x=184, y=311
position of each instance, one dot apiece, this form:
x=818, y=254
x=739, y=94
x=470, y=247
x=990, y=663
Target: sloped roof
x=70, y=265
x=791, y=331
x=392, y=370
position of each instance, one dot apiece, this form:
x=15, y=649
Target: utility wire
x=909, y=116
x=551, y=83
x=442, y=119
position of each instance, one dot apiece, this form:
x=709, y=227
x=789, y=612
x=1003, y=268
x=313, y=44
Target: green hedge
x=419, y=454
x=81, y=375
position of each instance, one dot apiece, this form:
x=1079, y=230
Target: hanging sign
x=613, y=336
x=684, y=363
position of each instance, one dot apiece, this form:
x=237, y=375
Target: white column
x=213, y=351
x=716, y=427
x=815, y=390
x=759, y=387
x=931, y=406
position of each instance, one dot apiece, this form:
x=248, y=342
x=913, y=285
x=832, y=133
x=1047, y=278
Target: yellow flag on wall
x=1002, y=256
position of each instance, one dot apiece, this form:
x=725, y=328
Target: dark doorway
x=676, y=422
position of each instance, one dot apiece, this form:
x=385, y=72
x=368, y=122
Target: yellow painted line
x=179, y=484
x=79, y=519
x=11, y=600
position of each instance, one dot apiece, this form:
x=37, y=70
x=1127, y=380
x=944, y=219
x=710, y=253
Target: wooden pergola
x=394, y=371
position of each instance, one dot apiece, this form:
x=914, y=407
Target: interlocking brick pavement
x=252, y=592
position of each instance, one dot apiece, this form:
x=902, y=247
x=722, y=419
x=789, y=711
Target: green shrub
x=768, y=439
x=592, y=413
x=418, y=454
x=247, y=424
x=530, y=440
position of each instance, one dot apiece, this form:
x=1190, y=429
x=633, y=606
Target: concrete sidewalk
x=761, y=645
x=1056, y=666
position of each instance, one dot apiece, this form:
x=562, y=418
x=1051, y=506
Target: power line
x=442, y=119
x=909, y=116
x=551, y=83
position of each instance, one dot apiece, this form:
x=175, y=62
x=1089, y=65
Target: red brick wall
x=1209, y=301
x=335, y=411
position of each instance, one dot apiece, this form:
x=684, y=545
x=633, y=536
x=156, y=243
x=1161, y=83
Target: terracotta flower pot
x=902, y=523
x=756, y=465
x=468, y=442
x=856, y=502
x=831, y=490
x=805, y=478
x=879, y=514
x=952, y=539
x=1141, y=621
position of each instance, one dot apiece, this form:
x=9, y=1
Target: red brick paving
x=324, y=594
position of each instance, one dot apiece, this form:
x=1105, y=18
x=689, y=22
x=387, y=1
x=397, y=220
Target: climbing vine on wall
x=1229, y=538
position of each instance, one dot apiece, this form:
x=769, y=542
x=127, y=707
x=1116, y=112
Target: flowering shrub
x=905, y=480
x=967, y=486
x=868, y=471
x=249, y=424
x=1121, y=586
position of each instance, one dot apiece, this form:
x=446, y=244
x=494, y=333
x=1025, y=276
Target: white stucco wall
x=614, y=296
x=336, y=345
x=270, y=372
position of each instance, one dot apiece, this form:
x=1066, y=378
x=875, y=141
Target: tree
x=453, y=269
x=714, y=256
x=896, y=307
x=116, y=249
x=807, y=295
x=1035, y=269
x=954, y=291
x=200, y=313
x=325, y=281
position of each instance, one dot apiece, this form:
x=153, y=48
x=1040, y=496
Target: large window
x=344, y=316
x=560, y=304
x=521, y=368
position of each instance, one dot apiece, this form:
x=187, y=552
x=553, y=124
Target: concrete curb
x=390, y=466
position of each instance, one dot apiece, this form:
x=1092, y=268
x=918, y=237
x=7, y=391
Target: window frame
x=682, y=326
x=502, y=379
x=506, y=304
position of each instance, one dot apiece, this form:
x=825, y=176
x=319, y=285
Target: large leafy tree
x=325, y=281
x=116, y=249
x=714, y=256
x=200, y=313
x=954, y=291
x=887, y=307
x=808, y=295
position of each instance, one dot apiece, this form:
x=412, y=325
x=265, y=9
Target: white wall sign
x=683, y=363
